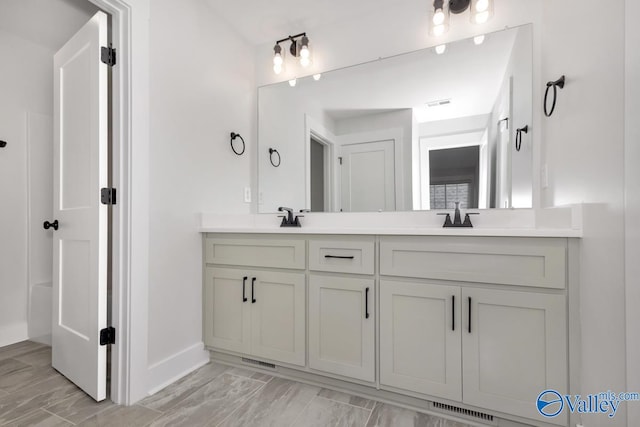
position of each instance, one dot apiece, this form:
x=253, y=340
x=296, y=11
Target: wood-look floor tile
x=175, y=393
x=78, y=407
x=211, y=403
x=347, y=398
x=248, y=373
x=384, y=415
x=323, y=412
x=39, y=418
x=17, y=349
x=10, y=366
x=27, y=400
x=25, y=377
x=37, y=357
x=119, y=416
x=278, y=403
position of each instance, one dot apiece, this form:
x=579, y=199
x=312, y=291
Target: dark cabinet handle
x=453, y=312
x=47, y=225
x=469, y=315
x=253, y=284
x=339, y=257
x=244, y=283
x=366, y=303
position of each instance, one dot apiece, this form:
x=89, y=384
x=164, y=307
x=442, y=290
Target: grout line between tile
x=256, y=391
x=345, y=403
x=58, y=416
x=370, y=414
x=303, y=410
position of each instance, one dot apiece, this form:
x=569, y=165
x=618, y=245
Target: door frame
x=313, y=128
x=129, y=226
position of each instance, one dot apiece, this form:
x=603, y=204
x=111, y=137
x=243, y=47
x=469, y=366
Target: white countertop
x=565, y=222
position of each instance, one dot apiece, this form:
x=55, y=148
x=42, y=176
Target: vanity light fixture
x=480, y=10
x=299, y=48
x=441, y=49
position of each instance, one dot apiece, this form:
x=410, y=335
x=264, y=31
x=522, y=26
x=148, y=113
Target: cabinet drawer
x=342, y=256
x=256, y=252
x=533, y=262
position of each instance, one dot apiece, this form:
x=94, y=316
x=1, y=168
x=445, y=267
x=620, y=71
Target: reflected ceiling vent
x=439, y=103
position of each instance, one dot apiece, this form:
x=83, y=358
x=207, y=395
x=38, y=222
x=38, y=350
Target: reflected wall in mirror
x=412, y=132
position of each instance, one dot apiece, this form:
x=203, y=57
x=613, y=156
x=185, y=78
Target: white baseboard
x=174, y=367
x=11, y=334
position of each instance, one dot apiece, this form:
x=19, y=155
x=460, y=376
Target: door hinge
x=108, y=196
x=108, y=56
x=108, y=336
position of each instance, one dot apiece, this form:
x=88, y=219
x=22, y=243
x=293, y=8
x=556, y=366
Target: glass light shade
x=439, y=19
x=277, y=68
x=277, y=59
x=304, y=52
x=481, y=11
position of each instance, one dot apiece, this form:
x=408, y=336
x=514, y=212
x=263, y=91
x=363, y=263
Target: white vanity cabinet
x=420, y=344
x=491, y=344
x=342, y=307
x=476, y=322
x=255, y=312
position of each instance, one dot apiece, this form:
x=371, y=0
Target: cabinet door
x=420, y=345
x=514, y=348
x=341, y=326
x=278, y=320
x=227, y=316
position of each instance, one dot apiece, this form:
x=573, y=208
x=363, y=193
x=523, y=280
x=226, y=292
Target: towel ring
x=555, y=85
x=271, y=151
x=233, y=138
x=519, y=133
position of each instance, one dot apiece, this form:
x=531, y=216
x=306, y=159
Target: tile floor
x=34, y=394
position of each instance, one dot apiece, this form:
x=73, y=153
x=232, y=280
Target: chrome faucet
x=288, y=220
x=457, y=219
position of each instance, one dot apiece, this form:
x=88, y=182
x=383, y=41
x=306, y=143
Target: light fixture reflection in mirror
x=412, y=132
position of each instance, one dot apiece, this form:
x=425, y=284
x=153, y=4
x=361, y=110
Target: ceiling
x=48, y=23
x=260, y=22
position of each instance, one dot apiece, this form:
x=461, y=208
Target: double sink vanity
x=471, y=323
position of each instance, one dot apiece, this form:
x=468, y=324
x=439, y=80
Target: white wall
x=201, y=89
x=632, y=189
x=26, y=105
x=584, y=151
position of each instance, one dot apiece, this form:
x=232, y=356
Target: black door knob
x=48, y=225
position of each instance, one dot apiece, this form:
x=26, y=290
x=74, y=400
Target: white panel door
x=278, y=316
x=341, y=326
x=420, y=346
x=227, y=309
x=514, y=348
x=80, y=243
x=368, y=177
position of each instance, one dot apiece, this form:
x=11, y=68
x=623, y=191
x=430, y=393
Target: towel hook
x=271, y=151
x=555, y=85
x=519, y=133
x=3, y=144
x=233, y=138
